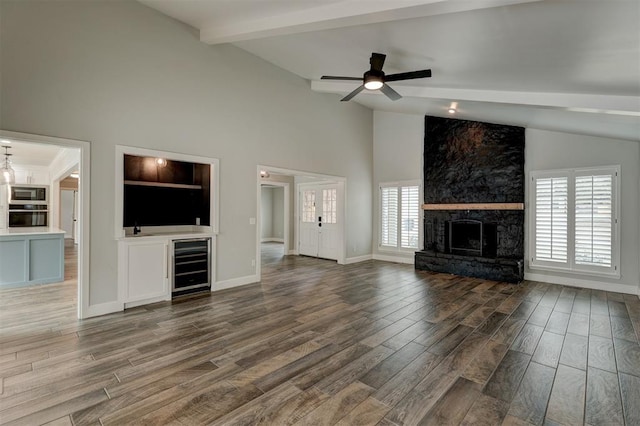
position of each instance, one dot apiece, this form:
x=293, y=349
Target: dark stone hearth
x=473, y=162
x=496, y=269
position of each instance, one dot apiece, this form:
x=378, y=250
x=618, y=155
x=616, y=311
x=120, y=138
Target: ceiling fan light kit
x=373, y=81
x=375, y=78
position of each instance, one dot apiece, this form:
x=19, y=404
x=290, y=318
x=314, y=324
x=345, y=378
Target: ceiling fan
x=375, y=78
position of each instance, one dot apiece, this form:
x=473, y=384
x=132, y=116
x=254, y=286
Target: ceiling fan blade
x=377, y=61
x=408, y=75
x=333, y=77
x=391, y=94
x=352, y=94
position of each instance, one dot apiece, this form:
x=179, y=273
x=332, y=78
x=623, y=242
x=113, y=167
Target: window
x=399, y=216
x=329, y=206
x=551, y=219
x=309, y=206
x=574, y=220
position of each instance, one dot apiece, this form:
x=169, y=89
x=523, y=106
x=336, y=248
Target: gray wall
x=266, y=212
x=397, y=156
x=272, y=213
x=117, y=72
x=277, y=213
x=546, y=150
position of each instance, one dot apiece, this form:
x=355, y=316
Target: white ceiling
x=30, y=154
x=570, y=65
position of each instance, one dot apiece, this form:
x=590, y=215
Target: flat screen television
x=162, y=206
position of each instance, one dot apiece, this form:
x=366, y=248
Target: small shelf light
x=161, y=162
x=453, y=108
x=264, y=174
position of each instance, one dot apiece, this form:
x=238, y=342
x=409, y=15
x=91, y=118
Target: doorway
x=274, y=218
x=334, y=246
x=74, y=155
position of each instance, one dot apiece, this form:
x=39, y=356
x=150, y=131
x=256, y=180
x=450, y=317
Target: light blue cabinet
x=31, y=259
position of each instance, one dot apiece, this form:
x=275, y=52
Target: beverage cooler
x=191, y=266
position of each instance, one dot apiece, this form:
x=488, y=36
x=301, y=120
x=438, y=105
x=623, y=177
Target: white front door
x=318, y=215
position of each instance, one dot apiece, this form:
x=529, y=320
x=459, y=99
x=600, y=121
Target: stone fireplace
x=474, y=199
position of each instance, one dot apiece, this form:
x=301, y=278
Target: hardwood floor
x=320, y=343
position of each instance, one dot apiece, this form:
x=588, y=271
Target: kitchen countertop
x=33, y=230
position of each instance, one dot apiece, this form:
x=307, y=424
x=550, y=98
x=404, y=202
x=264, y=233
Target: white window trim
x=570, y=266
x=398, y=248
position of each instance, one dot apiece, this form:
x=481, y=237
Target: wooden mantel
x=474, y=206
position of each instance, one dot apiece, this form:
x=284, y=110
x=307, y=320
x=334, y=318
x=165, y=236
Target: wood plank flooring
x=320, y=343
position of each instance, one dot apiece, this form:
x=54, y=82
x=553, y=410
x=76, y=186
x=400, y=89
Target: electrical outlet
x=253, y=262
x=252, y=221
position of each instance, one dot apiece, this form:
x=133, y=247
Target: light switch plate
x=252, y=221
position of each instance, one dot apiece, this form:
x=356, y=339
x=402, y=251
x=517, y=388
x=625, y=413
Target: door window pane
x=309, y=206
x=329, y=211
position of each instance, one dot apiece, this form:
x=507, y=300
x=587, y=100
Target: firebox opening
x=471, y=238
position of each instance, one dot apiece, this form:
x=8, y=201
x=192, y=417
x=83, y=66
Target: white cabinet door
x=144, y=270
x=31, y=176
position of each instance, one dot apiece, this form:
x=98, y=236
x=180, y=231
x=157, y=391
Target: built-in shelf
x=474, y=206
x=162, y=184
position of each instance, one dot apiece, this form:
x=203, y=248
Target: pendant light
x=7, y=174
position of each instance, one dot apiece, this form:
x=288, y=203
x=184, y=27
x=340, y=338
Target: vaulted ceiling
x=563, y=65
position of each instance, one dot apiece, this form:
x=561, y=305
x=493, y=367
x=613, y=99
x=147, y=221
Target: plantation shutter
x=594, y=220
x=410, y=216
x=389, y=216
x=551, y=219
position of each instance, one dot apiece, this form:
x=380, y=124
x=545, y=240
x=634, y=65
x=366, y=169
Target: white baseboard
x=577, y=282
x=234, y=282
x=293, y=252
x=395, y=259
x=146, y=301
x=272, y=240
x=102, y=309
x=357, y=259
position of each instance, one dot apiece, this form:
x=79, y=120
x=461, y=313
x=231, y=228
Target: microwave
x=32, y=194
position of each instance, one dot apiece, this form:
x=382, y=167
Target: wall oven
x=32, y=194
x=26, y=215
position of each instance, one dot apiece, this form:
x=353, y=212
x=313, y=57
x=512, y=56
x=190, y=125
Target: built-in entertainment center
x=164, y=203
